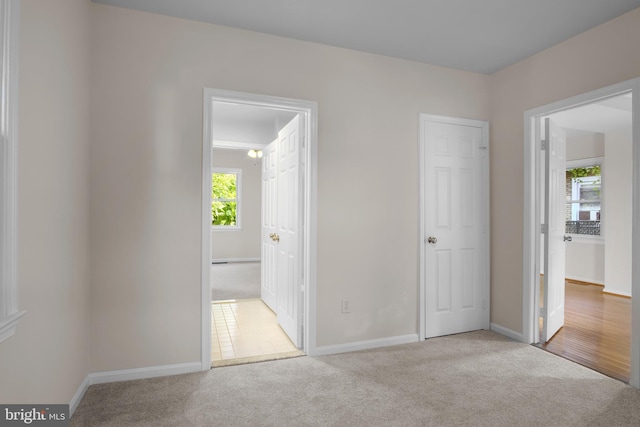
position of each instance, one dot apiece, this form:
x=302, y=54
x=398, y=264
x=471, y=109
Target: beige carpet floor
x=474, y=379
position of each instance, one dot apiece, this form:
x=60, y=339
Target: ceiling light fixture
x=255, y=154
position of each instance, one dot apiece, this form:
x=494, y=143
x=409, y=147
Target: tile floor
x=244, y=331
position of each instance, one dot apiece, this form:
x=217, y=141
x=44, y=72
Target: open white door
x=455, y=222
x=269, y=271
x=288, y=230
x=554, y=219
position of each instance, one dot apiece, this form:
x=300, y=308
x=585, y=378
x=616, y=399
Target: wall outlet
x=346, y=305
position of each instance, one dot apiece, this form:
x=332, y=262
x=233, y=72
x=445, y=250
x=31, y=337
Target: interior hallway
x=243, y=328
x=596, y=332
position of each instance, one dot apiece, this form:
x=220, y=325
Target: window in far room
x=226, y=200
x=584, y=199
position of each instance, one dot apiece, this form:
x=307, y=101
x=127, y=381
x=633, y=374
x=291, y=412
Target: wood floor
x=597, y=330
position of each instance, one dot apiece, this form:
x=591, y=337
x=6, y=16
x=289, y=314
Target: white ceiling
x=482, y=36
x=599, y=117
x=247, y=124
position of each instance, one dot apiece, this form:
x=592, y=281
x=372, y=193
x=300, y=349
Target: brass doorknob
x=432, y=240
x=274, y=237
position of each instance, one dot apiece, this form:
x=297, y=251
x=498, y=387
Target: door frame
x=308, y=237
x=532, y=216
x=484, y=125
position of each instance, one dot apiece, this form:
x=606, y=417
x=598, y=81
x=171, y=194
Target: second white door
x=456, y=236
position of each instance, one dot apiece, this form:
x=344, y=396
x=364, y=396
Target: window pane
x=223, y=186
x=583, y=221
x=223, y=213
x=590, y=192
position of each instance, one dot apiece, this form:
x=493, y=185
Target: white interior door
x=288, y=230
x=554, y=220
x=269, y=218
x=456, y=255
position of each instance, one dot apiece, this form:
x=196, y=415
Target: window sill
x=219, y=228
x=8, y=325
x=581, y=238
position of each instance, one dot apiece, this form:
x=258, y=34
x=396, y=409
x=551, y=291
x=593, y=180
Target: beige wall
x=47, y=359
x=584, y=145
x=149, y=74
x=618, y=174
x=602, y=56
x=245, y=243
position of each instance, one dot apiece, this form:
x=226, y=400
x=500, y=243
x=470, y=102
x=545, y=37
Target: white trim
x=77, y=398
x=309, y=110
x=9, y=311
x=531, y=220
x=232, y=260
x=484, y=125
x=326, y=350
x=616, y=293
x=9, y=324
x=142, y=373
x=517, y=336
x=585, y=279
x=224, y=229
x=205, y=292
x=585, y=239
x=216, y=143
x=581, y=163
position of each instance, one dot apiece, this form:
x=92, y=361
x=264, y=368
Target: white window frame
x=9, y=313
x=584, y=238
x=238, y=199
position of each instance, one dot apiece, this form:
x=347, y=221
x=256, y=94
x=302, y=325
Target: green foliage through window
x=224, y=199
x=584, y=172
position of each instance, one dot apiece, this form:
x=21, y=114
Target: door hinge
x=543, y=228
x=544, y=144
x=541, y=312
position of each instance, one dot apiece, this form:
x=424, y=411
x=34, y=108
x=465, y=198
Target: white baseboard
x=223, y=260
x=141, y=373
x=614, y=292
x=364, y=345
x=130, y=374
x=516, y=336
x=75, y=400
x=585, y=279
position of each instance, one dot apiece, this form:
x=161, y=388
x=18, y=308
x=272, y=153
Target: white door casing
x=269, y=219
x=308, y=110
x=554, y=220
x=532, y=218
x=288, y=229
x=454, y=217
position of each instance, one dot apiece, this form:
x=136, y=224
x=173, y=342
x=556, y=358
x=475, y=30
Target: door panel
x=269, y=271
x=288, y=229
x=554, y=218
x=455, y=259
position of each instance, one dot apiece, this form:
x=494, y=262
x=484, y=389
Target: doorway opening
x=585, y=285
x=581, y=163
x=240, y=130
